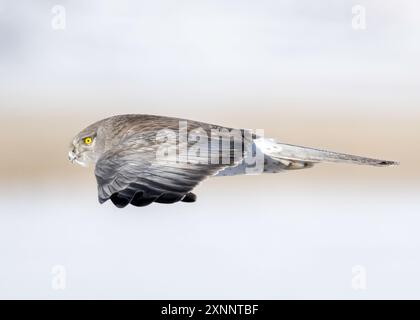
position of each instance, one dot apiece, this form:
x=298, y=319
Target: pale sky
x=215, y=52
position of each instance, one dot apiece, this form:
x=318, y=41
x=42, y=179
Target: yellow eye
x=87, y=140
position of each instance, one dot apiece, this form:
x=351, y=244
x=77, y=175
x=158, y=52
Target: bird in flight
x=141, y=159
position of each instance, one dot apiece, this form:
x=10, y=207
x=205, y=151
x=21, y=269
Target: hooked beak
x=72, y=156
x=75, y=159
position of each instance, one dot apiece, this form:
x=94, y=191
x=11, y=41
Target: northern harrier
x=140, y=159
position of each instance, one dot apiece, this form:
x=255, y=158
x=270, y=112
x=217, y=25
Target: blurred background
x=335, y=75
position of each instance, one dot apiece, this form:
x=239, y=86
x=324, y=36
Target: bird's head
x=87, y=146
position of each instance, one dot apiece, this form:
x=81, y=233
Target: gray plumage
x=140, y=159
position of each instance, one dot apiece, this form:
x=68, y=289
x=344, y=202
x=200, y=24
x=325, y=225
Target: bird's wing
x=133, y=172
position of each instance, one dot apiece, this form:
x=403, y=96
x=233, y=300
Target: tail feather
x=281, y=151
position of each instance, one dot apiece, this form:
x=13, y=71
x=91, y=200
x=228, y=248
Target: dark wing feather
x=142, y=182
x=131, y=174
